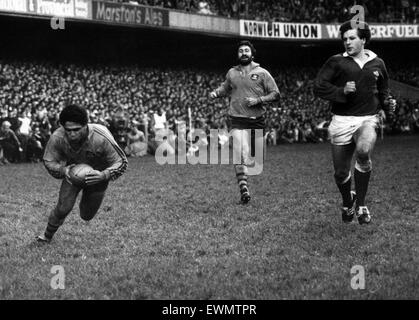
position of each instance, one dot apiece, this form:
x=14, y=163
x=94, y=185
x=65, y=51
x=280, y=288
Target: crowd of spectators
x=408, y=74
x=324, y=11
x=127, y=98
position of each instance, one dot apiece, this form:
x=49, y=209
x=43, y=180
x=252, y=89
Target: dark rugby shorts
x=247, y=123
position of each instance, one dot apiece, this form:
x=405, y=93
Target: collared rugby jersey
x=257, y=83
x=371, y=81
x=100, y=151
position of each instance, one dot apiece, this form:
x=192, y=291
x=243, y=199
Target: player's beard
x=245, y=62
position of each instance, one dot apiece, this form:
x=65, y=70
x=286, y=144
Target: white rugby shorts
x=342, y=128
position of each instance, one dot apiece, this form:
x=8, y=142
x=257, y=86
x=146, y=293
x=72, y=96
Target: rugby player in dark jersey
x=356, y=84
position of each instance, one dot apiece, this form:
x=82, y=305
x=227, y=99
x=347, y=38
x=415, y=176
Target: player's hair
x=362, y=29
x=249, y=44
x=73, y=113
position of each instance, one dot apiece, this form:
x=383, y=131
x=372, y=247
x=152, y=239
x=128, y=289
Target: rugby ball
x=78, y=174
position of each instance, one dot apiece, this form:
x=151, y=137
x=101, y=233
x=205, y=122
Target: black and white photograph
x=206, y=156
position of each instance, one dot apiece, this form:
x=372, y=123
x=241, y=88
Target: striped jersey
x=257, y=83
x=100, y=151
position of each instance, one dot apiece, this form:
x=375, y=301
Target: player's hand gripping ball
x=78, y=174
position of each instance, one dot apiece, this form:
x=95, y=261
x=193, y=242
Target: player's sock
x=50, y=231
x=53, y=224
x=345, y=190
x=361, y=186
x=241, y=177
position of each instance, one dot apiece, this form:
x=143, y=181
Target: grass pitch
x=177, y=232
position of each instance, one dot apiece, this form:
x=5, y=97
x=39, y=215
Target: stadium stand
x=388, y=11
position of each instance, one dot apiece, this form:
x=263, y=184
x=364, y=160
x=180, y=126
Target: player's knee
x=87, y=212
x=62, y=210
x=55, y=219
x=342, y=176
x=363, y=166
x=363, y=155
x=363, y=151
x=87, y=215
